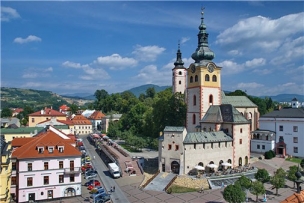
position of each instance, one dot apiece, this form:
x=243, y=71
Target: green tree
x=244, y=182
x=234, y=194
x=101, y=94
x=73, y=108
x=6, y=113
x=257, y=188
x=237, y=93
x=291, y=174
x=23, y=116
x=302, y=163
x=150, y=92
x=262, y=175
x=278, y=180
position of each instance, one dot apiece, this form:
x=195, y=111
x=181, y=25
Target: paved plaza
x=130, y=186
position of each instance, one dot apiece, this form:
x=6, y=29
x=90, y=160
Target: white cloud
x=262, y=71
x=184, y=40
x=151, y=75
x=235, y=53
x=70, y=64
x=37, y=73
x=231, y=67
x=249, y=85
x=255, y=62
x=262, y=33
x=115, y=61
x=147, y=53
x=8, y=13
x=30, y=38
x=94, y=74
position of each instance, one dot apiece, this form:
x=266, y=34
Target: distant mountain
x=85, y=96
x=142, y=89
x=285, y=97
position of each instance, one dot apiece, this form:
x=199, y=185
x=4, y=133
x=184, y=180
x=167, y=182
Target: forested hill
x=36, y=99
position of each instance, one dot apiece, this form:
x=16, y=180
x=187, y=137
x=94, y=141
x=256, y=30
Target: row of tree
x=236, y=193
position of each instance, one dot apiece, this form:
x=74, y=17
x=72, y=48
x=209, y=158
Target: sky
x=72, y=47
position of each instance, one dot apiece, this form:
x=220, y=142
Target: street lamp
x=298, y=181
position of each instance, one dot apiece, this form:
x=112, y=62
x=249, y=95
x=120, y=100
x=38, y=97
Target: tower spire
x=202, y=52
x=179, y=62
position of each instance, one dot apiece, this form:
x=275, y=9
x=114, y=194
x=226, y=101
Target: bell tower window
x=194, y=100
x=211, y=99
x=214, y=79
x=207, y=77
x=193, y=119
x=196, y=78
x=180, y=72
x=191, y=79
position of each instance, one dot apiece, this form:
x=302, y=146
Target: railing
x=72, y=170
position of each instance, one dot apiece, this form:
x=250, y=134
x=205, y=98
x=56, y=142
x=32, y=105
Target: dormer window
x=51, y=149
x=60, y=149
x=40, y=150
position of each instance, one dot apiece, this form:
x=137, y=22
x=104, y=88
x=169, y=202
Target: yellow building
x=44, y=115
x=6, y=171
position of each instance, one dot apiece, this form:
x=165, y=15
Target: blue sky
x=79, y=47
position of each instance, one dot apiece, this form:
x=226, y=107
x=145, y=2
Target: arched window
x=241, y=130
x=179, y=82
x=207, y=78
x=196, y=78
x=214, y=78
x=193, y=119
x=211, y=99
x=194, y=100
x=180, y=72
x=191, y=79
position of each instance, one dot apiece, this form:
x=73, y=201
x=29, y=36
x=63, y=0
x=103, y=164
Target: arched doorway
x=175, y=167
x=229, y=161
x=220, y=165
x=200, y=164
x=246, y=160
x=240, y=161
x=69, y=192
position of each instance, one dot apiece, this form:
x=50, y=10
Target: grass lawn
x=295, y=160
x=130, y=148
x=180, y=189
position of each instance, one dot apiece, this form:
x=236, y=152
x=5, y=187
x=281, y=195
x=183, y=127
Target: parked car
x=92, y=182
x=102, y=198
x=98, y=186
x=90, y=176
x=89, y=170
x=99, y=192
x=86, y=166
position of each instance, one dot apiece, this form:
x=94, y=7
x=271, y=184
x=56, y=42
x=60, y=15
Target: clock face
x=210, y=67
x=192, y=68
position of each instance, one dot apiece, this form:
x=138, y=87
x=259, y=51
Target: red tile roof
x=66, y=122
x=81, y=120
x=47, y=112
x=295, y=198
x=97, y=115
x=64, y=108
x=18, y=141
x=49, y=138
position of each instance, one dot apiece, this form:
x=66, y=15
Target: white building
x=288, y=125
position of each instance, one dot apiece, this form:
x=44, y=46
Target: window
x=194, y=145
x=180, y=72
x=281, y=128
x=72, y=178
x=45, y=180
x=60, y=164
x=13, y=166
x=207, y=78
x=241, y=141
x=29, y=167
x=295, y=128
x=33, y=120
x=191, y=79
x=295, y=149
x=214, y=78
x=14, y=180
x=51, y=149
x=258, y=146
x=176, y=147
x=179, y=82
x=30, y=181
x=193, y=119
x=194, y=100
x=263, y=146
x=169, y=146
x=241, y=130
x=295, y=139
x=196, y=78
x=46, y=166
x=60, y=149
x=40, y=150
x=61, y=179
x=210, y=99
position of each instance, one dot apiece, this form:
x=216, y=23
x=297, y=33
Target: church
x=218, y=127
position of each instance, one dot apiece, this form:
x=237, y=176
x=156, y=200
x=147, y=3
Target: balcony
x=72, y=170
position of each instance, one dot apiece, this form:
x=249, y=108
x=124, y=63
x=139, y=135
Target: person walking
x=113, y=188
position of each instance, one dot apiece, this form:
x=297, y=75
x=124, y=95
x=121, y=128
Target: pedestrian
x=113, y=188
x=94, y=157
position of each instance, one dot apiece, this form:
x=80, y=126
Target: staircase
x=160, y=181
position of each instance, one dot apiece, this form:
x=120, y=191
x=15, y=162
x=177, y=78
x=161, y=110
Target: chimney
x=42, y=112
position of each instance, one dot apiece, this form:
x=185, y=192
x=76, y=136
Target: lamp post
x=298, y=181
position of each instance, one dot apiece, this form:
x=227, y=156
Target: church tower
x=179, y=74
x=203, y=81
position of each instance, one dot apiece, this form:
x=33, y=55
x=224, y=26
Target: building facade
x=96, y=119
x=45, y=167
x=82, y=125
x=44, y=115
x=5, y=171
x=179, y=74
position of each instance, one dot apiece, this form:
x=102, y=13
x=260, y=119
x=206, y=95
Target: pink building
x=44, y=167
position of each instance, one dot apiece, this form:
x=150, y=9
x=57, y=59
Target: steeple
x=179, y=62
x=202, y=53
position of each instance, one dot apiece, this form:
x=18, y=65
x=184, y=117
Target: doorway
x=50, y=194
x=31, y=197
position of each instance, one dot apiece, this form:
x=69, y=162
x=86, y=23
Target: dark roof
x=206, y=137
x=224, y=113
x=294, y=99
x=285, y=113
x=174, y=129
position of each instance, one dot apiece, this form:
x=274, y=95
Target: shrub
x=273, y=153
x=269, y=154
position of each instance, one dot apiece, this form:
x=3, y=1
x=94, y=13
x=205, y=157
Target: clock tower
x=203, y=81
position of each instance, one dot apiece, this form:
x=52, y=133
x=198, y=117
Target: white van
x=114, y=170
